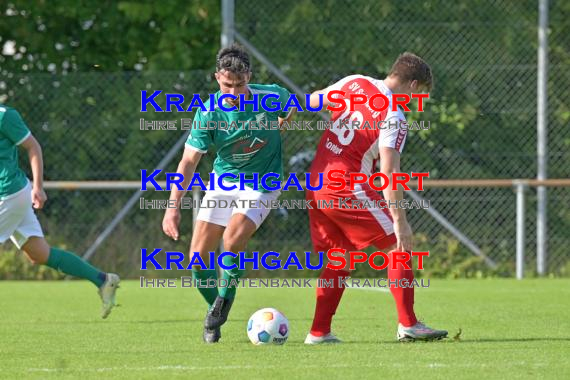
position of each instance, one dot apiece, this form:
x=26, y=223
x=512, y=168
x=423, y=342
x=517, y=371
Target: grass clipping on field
x=457, y=337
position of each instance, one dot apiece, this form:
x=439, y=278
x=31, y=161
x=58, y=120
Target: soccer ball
x=268, y=326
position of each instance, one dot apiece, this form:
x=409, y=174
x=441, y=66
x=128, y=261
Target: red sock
x=327, y=301
x=404, y=297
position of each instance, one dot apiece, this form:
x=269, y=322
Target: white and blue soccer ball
x=268, y=326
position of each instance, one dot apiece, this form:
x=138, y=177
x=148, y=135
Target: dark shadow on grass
x=131, y=322
x=165, y=321
x=499, y=340
x=114, y=322
x=462, y=341
x=188, y=320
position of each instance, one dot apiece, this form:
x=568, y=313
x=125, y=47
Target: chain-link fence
x=483, y=108
x=482, y=124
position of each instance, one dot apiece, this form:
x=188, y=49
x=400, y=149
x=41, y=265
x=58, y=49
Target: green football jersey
x=13, y=131
x=243, y=144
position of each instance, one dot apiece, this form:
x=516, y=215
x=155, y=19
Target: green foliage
x=110, y=35
x=15, y=266
x=76, y=75
x=449, y=259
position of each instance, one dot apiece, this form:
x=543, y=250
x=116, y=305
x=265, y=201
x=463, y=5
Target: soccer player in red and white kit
x=358, y=150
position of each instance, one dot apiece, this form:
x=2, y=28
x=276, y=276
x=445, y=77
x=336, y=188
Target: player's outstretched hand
x=403, y=233
x=39, y=198
x=171, y=222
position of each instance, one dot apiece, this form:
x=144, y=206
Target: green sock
x=229, y=290
x=209, y=294
x=74, y=265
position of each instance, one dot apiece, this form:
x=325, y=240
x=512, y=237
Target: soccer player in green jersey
x=19, y=223
x=238, y=150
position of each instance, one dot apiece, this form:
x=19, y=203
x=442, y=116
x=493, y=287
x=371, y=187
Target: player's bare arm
x=390, y=163
x=186, y=167
x=315, y=102
x=34, y=150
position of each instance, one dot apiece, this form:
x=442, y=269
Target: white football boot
x=107, y=293
x=325, y=339
x=419, y=331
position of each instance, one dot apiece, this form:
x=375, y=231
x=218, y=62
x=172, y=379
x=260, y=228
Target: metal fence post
x=520, y=188
x=227, y=38
x=542, y=147
x=228, y=14
x=133, y=199
x=196, y=200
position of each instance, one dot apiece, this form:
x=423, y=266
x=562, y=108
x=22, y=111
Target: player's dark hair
x=234, y=59
x=409, y=67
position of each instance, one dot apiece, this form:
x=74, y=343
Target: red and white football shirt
x=355, y=150
x=358, y=150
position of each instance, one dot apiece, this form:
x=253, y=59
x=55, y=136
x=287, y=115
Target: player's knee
x=36, y=250
x=200, y=259
x=198, y=244
x=36, y=260
x=38, y=257
x=238, y=233
x=235, y=242
x=202, y=245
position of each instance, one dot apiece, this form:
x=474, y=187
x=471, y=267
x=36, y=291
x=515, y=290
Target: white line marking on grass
x=187, y=368
x=434, y=366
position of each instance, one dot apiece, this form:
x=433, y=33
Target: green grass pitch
x=511, y=329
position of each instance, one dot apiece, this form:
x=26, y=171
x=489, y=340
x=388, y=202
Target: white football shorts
x=18, y=222
x=217, y=207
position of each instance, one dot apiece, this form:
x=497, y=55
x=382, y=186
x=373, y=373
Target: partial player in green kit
x=242, y=150
x=19, y=223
